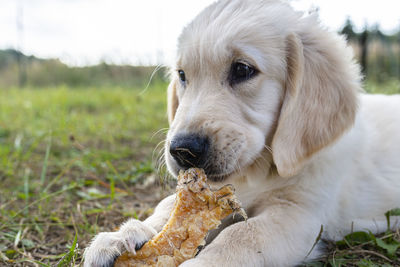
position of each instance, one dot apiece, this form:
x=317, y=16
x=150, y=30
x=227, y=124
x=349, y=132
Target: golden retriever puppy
x=264, y=98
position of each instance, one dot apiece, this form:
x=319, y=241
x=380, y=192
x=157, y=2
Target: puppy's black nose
x=189, y=150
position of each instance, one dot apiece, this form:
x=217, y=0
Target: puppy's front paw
x=103, y=250
x=107, y=246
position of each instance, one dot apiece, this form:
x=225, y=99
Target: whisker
x=236, y=159
x=206, y=165
x=163, y=130
x=162, y=142
x=161, y=168
x=160, y=157
x=159, y=147
x=156, y=69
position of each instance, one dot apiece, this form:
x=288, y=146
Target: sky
x=85, y=32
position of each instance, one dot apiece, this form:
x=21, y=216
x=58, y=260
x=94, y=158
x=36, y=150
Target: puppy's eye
x=241, y=72
x=182, y=75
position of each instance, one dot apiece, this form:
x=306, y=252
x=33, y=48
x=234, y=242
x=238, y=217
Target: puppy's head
x=254, y=75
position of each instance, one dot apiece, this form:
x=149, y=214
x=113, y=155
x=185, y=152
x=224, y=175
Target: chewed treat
x=197, y=210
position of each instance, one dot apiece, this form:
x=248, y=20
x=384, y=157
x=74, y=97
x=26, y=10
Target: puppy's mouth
x=213, y=175
x=217, y=175
x=213, y=172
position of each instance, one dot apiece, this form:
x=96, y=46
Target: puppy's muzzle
x=189, y=150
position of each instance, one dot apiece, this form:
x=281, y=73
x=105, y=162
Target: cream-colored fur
x=299, y=141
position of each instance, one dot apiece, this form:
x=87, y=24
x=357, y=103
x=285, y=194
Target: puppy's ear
x=172, y=101
x=320, y=100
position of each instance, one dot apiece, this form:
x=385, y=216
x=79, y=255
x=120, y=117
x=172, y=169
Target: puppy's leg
x=280, y=236
x=106, y=246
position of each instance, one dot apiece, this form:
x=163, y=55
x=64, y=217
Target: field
x=76, y=161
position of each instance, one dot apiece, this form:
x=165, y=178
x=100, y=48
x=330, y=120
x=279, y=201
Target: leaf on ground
x=390, y=248
x=355, y=238
x=388, y=214
x=27, y=243
x=393, y=212
x=91, y=194
x=10, y=253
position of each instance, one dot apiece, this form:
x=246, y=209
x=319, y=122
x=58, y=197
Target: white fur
x=300, y=143
x=106, y=246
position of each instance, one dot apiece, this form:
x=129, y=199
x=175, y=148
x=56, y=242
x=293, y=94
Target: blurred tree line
x=378, y=53
x=19, y=70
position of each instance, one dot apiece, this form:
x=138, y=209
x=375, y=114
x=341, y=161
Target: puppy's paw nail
x=139, y=245
x=130, y=245
x=110, y=263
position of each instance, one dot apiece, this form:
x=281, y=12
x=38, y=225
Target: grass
x=362, y=249
x=74, y=162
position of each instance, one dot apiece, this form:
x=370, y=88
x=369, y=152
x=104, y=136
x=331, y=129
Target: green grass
x=363, y=249
x=74, y=162
x=71, y=164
